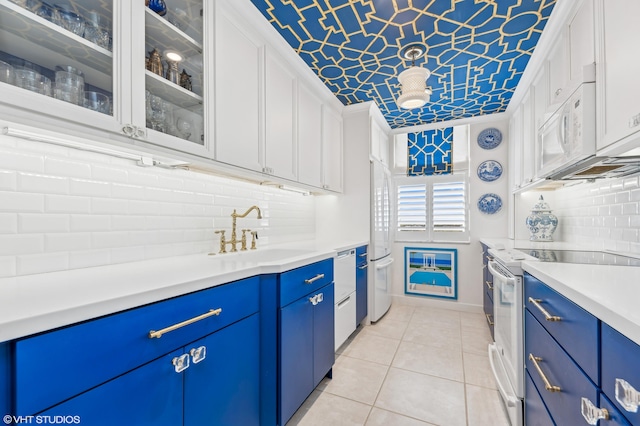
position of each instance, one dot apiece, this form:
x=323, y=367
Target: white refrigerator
x=380, y=269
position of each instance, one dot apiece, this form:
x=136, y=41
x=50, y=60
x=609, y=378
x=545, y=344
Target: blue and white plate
x=489, y=138
x=489, y=170
x=490, y=203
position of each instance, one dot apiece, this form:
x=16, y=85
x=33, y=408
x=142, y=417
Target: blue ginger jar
x=158, y=6
x=541, y=222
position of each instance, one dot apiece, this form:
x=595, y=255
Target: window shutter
x=449, y=207
x=412, y=207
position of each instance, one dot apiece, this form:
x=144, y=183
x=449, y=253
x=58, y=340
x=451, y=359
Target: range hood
x=599, y=168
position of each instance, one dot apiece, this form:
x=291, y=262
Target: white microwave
x=568, y=135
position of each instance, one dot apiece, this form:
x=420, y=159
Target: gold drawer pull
x=488, y=283
x=547, y=315
x=489, y=319
x=547, y=385
x=312, y=280
x=158, y=334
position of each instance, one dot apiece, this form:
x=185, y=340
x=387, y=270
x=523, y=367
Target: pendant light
x=413, y=80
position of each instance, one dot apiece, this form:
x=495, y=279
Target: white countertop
x=610, y=293
x=40, y=302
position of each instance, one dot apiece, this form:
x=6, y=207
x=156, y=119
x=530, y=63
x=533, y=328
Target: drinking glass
x=64, y=16
x=96, y=101
x=96, y=32
x=7, y=74
x=69, y=85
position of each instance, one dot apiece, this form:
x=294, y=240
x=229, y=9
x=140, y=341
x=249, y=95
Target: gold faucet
x=234, y=240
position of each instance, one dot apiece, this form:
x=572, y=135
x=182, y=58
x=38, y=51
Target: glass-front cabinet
x=134, y=68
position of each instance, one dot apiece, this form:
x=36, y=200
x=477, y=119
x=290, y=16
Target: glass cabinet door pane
x=174, y=69
x=61, y=50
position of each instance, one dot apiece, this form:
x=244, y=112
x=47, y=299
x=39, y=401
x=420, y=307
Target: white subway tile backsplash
x=67, y=204
x=21, y=202
x=16, y=244
x=62, y=208
x=8, y=180
x=8, y=223
x=30, y=223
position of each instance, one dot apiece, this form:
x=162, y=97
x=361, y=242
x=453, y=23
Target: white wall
x=604, y=214
x=62, y=208
x=470, y=290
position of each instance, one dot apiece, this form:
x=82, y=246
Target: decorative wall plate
x=489, y=138
x=490, y=203
x=489, y=170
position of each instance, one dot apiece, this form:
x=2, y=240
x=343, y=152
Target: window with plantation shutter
x=436, y=209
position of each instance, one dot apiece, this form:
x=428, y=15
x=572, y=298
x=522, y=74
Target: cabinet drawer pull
x=547, y=385
x=627, y=396
x=158, y=334
x=314, y=279
x=363, y=266
x=364, y=254
x=489, y=319
x=547, y=315
x=591, y=413
x=489, y=286
x=180, y=363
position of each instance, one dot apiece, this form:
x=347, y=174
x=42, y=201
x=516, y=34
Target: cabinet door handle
x=547, y=385
x=363, y=266
x=547, y=315
x=158, y=334
x=198, y=354
x=489, y=286
x=364, y=254
x=627, y=396
x=314, y=300
x=320, y=297
x=314, y=279
x=180, y=363
x=489, y=319
x=591, y=413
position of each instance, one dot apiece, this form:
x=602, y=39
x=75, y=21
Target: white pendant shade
x=414, y=88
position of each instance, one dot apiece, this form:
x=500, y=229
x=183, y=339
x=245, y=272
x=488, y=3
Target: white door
x=381, y=211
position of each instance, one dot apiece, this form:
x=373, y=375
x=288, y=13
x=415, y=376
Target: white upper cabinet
x=558, y=70
x=618, y=72
x=309, y=137
x=35, y=43
x=528, y=138
x=515, y=150
x=239, y=84
x=379, y=143
x=332, y=150
x=280, y=138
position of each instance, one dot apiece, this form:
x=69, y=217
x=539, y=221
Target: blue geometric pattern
x=430, y=152
x=477, y=50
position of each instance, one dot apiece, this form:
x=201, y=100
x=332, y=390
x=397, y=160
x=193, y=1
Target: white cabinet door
x=528, y=138
x=280, y=140
x=515, y=150
x=239, y=82
x=581, y=31
x=309, y=137
x=558, y=70
x=332, y=150
x=379, y=143
x=619, y=69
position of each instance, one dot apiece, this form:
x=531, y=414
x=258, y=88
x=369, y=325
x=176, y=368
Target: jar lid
x=541, y=206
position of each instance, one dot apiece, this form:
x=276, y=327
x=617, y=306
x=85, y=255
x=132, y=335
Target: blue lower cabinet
x=620, y=372
x=556, y=367
x=149, y=395
x=535, y=412
x=296, y=356
x=306, y=340
x=5, y=378
x=361, y=283
x=224, y=387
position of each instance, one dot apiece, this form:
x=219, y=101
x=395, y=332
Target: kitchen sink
x=263, y=255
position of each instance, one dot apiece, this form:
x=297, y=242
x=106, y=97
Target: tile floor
x=416, y=366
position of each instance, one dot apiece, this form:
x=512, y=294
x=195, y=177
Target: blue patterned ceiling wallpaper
x=477, y=50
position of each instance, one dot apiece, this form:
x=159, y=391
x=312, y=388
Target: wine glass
x=184, y=127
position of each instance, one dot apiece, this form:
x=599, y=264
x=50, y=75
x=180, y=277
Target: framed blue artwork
x=431, y=272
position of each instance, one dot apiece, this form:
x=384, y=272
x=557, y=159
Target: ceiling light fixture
x=414, y=90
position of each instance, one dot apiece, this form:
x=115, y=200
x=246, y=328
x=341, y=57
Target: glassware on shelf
x=172, y=72
x=158, y=6
x=158, y=113
x=185, y=127
x=64, y=16
x=29, y=79
x=97, y=101
x=22, y=3
x=154, y=63
x=96, y=32
x=69, y=85
x=185, y=80
x=178, y=18
x=42, y=9
x=7, y=73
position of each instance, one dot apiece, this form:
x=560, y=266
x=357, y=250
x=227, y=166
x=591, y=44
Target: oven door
x=508, y=330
